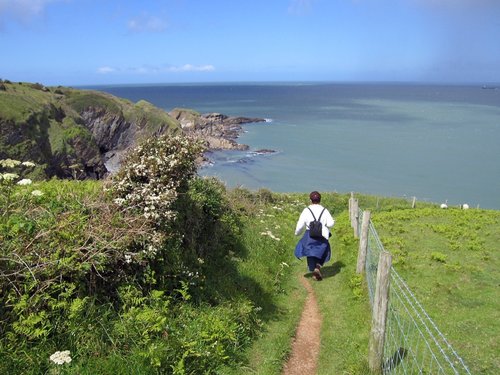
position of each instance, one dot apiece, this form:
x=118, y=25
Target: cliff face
x=111, y=132
x=73, y=133
x=84, y=134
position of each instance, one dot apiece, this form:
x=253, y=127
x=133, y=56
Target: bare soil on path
x=306, y=344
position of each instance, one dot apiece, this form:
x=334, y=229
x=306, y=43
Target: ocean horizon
x=435, y=142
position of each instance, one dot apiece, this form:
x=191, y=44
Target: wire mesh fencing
x=413, y=343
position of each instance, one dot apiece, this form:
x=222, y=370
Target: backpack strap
x=321, y=214
x=314, y=217
x=319, y=219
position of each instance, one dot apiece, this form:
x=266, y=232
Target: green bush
x=116, y=273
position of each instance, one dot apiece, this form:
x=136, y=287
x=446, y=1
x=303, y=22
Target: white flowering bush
x=11, y=172
x=123, y=274
x=153, y=175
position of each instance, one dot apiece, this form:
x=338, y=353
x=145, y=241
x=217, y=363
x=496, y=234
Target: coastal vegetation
x=156, y=270
x=68, y=132
x=211, y=285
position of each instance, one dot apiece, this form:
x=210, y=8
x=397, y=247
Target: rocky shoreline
x=218, y=131
x=85, y=134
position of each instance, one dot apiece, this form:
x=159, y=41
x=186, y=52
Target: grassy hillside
x=450, y=259
x=46, y=125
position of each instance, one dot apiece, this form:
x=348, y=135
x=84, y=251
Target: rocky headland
x=72, y=133
x=218, y=131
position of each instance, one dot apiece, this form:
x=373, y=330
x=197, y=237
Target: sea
x=437, y=143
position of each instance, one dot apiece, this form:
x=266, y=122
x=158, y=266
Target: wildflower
x=119, y=201
x=28, y=163
x=9, y=176
x=25, y=181
x=37, y=193
x=270, y=234
x=128, y=258
x=61, y=358
x=9, y=163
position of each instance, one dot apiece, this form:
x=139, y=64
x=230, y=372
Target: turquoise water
x=437, y=143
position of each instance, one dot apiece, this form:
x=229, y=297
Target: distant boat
x=485, y=87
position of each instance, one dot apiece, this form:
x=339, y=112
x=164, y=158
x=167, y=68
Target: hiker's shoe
x=317, y=273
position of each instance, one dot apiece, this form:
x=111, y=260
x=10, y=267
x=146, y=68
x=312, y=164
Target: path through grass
x=341, y=297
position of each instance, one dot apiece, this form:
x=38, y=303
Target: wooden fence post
x=351, y=199
x=379, y=317
x=355, y=217
x=363, y=242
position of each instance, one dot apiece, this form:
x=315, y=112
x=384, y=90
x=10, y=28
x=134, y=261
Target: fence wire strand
x=414, y=344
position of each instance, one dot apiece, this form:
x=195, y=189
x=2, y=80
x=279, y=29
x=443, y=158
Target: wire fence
x=413, y=342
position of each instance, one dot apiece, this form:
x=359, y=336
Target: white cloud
x=191, y=68
x=147, y=23
x=105, y=70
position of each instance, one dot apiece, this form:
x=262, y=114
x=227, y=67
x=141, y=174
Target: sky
x=91, y=42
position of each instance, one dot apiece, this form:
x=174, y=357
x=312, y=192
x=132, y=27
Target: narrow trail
x=306, y=344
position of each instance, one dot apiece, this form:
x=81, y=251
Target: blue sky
x=78, y=42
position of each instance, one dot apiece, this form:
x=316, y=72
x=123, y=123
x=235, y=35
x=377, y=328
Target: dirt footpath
x=305, y=346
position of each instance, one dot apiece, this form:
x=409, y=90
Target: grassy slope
x=21, y=101
x=343, y=303
x=344, y=307
x=450, y=259
x=271, y=264
x=419, y=239
x=18, y=101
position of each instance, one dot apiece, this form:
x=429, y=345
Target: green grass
x=80, y=100
x=450, y=260
x=150, y=117
x=448, y=257
x=344, y=306
x=341, y=295
x=19, y=101
x=270, y=263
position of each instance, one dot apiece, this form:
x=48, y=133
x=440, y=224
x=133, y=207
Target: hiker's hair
x=315, y=197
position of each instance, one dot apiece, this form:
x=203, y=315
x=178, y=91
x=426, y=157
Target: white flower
x=28, y=164
x=9, y=163
x=37, y=193
x=128, y=258
x=119, y=201
x=61, y=358
x=9, y=176
x=25, y=181
x=270, y=234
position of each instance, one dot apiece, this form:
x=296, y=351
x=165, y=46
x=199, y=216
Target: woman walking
x=314, y=244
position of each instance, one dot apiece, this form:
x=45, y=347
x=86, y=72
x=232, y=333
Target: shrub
x=154, y=174
x=119, y=276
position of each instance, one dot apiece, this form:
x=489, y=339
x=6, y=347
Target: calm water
x=434, y=142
